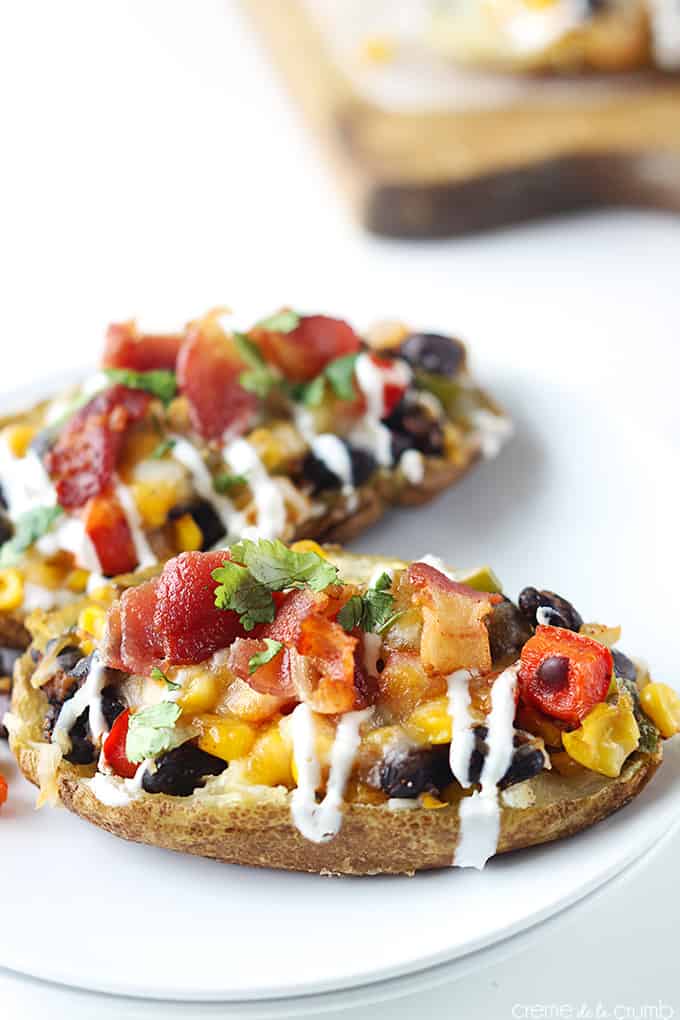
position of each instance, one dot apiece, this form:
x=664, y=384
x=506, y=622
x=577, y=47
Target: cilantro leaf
x=262, y=658
x=312, y=394
x=284, y=321
x=372, y=611
x=163, y=447
x=277, y=567
x=259, y=377
x=159, y=382
x=339, y=373
x=239, y=591
x=151, y=731
x=29, y=527
x=225, y=482
x=158, y=674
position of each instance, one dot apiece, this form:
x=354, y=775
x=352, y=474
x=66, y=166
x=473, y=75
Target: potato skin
x=254, y=827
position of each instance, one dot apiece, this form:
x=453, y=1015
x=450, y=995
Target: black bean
x=82, y=749
x=181, y=770
x=509, y=630
x=322, y=478
x=6, y=526
x=413, y=428
x=623, y=666
x=205, y=515
x=560, y=612
x=112, y=706
x=364, y=465
x=69, y=658
x=554, y=672
x=527, y=761
x=439, y=355
x=409, y=773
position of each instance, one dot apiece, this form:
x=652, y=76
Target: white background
x=152, y=166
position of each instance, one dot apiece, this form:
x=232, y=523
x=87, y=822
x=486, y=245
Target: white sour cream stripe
x=270, y=508
x=412, y=464
x=143, y=551
x=369, y=433
x=88, y=696
x=480, y=814
x=114, y=792
x=321, y=822
x=202, y=481
x=462, y=737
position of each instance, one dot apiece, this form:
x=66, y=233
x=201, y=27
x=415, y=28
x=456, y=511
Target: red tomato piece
x=107, y=528
x=125, y=347
x=114, y=747
x=396, y=378
x=208, y=370
x=3, y=790
x=563, y=674
x=306, y=350
x=83, y=460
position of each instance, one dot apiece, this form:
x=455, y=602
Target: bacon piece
x=306, y=350
x=107, y=528
x=454, y=634
x=126, y=347
x=208, y=370
x=271, y=678
x=328, y=686
x=171, y=620
x=83, y=460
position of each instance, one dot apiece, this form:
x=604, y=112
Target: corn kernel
x=200, y=693
x=430, y=723
x=19, y=438
x=226, y=738
x=607, y=735
x=269, y=760
x=270, y=450
x=306, y=545
x=92, y=621
x=432, y=803
x=154, y=502
x=662, y=704
x=77, y=580
x=188, y=535
x=11, y=589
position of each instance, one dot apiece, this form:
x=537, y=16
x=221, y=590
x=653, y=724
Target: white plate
x=583, y=501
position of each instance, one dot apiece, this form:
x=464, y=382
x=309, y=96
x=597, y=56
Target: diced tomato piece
x=208, y=370
x=125, y=347
x=3, y=790
x=107, y=528
x=563, y=674
x=271, y=678
x=396, y=378
x=306, y=350
x=83, y=460
x=114, y=747
x=454, y=633
x=328, y=687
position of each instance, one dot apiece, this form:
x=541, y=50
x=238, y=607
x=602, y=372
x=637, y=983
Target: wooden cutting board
x=529, y=148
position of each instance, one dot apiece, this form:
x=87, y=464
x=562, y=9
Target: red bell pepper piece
x=114, y=747
x=564, y=674
x=3, y=790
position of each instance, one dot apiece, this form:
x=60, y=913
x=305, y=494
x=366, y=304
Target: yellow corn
x=430, y=723
x=662, y=704
x=269, y=760
x=19, y=438
x=306, y=545
x=77, y=580
x=226, y=738
x=154, y=502
x=188, y=535
x=200, y=693
x=47, y=575
x=607, y=735
x=92, y=621
x=432, y=803
x=270, y=449
x=11, y=589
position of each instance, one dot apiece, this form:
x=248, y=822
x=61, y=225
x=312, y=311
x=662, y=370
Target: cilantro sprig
x=226, y=482
x=259, y=377
x=266, y=655
x=246, y=582
x=151, y=731
x=29, y=527
x=372, y=611
x=159, y=382
x=163, y=447
x=339, y=374
x=284, y=321
x=158, y=674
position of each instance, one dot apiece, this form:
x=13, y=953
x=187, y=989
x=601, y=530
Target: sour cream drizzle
x=270, y=507
x=480, y=815
x=202, y=480
x=88, y=696
x=143, y=551
x=118, y=792
x=370, y=433
x=330, y=450
x=321, y=822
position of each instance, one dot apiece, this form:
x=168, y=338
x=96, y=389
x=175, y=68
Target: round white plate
x=583, y=501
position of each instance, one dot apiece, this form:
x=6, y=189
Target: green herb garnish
x=29, y=527
x=151, y=731
x=284, y=321
x=259, y=377
x=226, y=482
x=339, y=374
x=158, y=674
x=239, y=591
x=160, y=383
x=262, y=658
x=163, y=447
x=372, y=611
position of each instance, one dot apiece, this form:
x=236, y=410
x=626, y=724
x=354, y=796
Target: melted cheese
x=267, y=496
x=321, y=822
